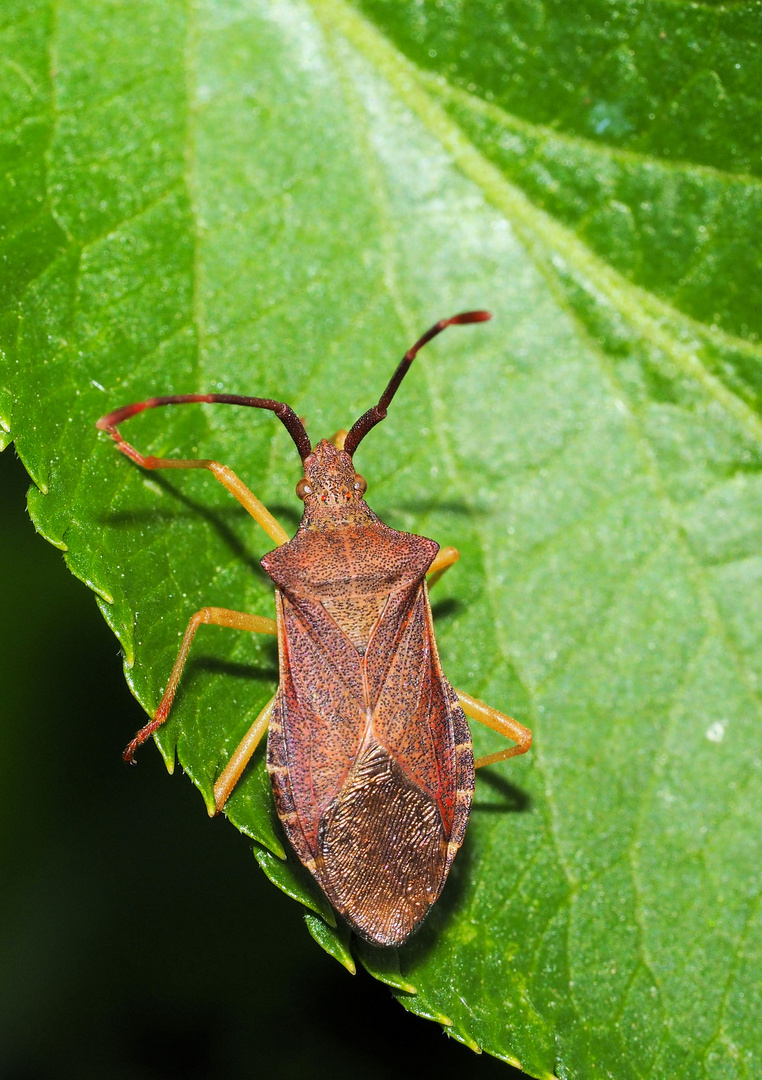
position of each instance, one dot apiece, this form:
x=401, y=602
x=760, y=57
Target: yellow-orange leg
x=506, y=725
x=232, y=772
x=235, y=620
x=226, y=477
x=444, y=560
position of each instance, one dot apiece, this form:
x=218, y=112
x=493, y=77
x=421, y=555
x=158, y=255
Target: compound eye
x=303, y=489
x=360, y=484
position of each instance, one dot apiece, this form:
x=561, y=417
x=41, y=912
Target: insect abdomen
x=382, y=850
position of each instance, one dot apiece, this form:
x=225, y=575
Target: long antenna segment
x=374, y=416
x=285, y=414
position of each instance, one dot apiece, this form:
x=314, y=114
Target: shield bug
x=368, y=750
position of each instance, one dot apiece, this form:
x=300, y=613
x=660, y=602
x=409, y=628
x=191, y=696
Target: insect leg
x=444, y=560
x=110, y=424
x=231, y=774
x=236, y=620
x=226, y=477
x=498, y=721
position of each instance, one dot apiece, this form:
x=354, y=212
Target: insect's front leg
x=226, y=477
x=235, y=620
x=498, y=721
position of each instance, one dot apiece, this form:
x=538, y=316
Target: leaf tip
x=277, y=849
x=336, y=945
x=99, y=590
x=467, y=1040
x=168, y=756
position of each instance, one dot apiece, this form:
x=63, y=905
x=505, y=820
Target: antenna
x=285, y=414
x=374, y=416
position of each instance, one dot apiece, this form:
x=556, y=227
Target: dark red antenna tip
x=471, y=316
x=374, y=416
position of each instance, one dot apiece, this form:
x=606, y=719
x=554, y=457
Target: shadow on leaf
x=443, y=608
x=213, y=517
x=510, y=799
x=212, y=665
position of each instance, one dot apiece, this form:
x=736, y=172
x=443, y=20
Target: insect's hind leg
x=232, y=772
x=498, y=721
x=235, y=620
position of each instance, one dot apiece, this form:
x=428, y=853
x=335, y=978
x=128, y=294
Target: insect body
x=369, y=750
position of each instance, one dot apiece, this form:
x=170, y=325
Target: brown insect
x=368, y=750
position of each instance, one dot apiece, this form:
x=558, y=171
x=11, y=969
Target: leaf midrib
x=496, y=113
x=617, y=289
x=532, y=225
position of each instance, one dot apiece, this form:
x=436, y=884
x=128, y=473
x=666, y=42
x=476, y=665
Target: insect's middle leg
x=235, y=620
x=445, y=558
x=498, y=721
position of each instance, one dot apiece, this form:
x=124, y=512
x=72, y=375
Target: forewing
x=412, y=705
x=321, y=716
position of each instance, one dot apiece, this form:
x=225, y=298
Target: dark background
x=139, y=938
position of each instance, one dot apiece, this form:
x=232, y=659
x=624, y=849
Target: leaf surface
x=277, y=199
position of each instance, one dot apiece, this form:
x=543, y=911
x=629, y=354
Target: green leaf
x=335, y=940
x=277, y=199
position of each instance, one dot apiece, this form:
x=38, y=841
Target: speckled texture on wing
x=411, y=714
x=350, y=571
x=321, y=708
x=362, y=749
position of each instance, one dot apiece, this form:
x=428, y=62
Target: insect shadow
x=264, y=671
x=456, y=507
x=510, y=799
x=397, y=513
x=214, y=666
x=213, y=517
x=442, y=608
x=201, y=666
